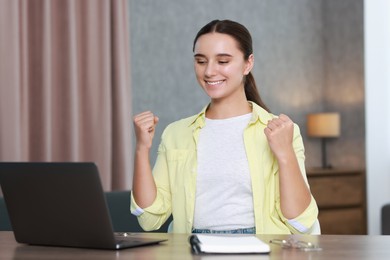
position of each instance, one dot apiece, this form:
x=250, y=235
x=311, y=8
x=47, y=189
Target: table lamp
x=324, y=126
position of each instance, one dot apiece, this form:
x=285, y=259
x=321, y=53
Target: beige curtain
x=64, y=84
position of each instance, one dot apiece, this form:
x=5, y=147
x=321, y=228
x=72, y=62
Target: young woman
x=232, y=168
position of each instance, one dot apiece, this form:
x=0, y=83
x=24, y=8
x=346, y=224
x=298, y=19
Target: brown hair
x=244, y=40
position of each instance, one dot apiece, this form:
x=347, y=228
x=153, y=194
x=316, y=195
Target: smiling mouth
x=213, y=83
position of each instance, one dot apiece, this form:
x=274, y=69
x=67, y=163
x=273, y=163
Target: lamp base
x=325, y=165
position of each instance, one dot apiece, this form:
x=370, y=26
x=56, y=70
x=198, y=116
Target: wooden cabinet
x=341, y=199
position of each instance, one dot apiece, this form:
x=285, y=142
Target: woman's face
x=220, y=66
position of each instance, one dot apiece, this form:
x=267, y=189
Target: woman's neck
x=222, y=110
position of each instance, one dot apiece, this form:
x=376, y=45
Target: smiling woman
x=217, y=61
x=227, y=58
x=232, y=168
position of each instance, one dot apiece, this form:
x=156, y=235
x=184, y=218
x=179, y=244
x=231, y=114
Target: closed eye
x=199, y=61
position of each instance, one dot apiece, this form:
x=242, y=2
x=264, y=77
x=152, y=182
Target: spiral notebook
x=223, y=244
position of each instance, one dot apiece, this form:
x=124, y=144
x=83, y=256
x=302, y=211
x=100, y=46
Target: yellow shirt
x=175, y=174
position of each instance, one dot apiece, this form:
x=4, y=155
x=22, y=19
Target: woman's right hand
x=144, y=187
x=144, y=126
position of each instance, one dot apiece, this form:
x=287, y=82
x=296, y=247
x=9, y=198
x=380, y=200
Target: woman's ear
x=249, y=64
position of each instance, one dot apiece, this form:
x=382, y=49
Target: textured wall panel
x=294, y=67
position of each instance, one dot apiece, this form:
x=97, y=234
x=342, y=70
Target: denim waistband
x=251, y=230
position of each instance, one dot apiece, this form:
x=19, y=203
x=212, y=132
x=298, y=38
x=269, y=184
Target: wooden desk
x=334, y=247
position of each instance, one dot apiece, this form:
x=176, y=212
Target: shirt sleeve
x=154, y=216
x=303, y=223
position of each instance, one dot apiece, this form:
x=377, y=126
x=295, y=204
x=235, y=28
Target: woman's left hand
x=295, y=195
x=279, y=133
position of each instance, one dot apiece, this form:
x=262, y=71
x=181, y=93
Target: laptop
x=61, y=204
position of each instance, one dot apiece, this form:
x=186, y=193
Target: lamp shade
x=323, y=125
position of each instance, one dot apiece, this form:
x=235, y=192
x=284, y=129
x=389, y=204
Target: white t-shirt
x=224, y=198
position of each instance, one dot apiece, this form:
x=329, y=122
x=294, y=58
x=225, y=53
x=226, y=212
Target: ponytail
x=251, y=92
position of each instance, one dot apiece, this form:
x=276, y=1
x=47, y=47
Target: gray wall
x=344, y=78
x=308, y=58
